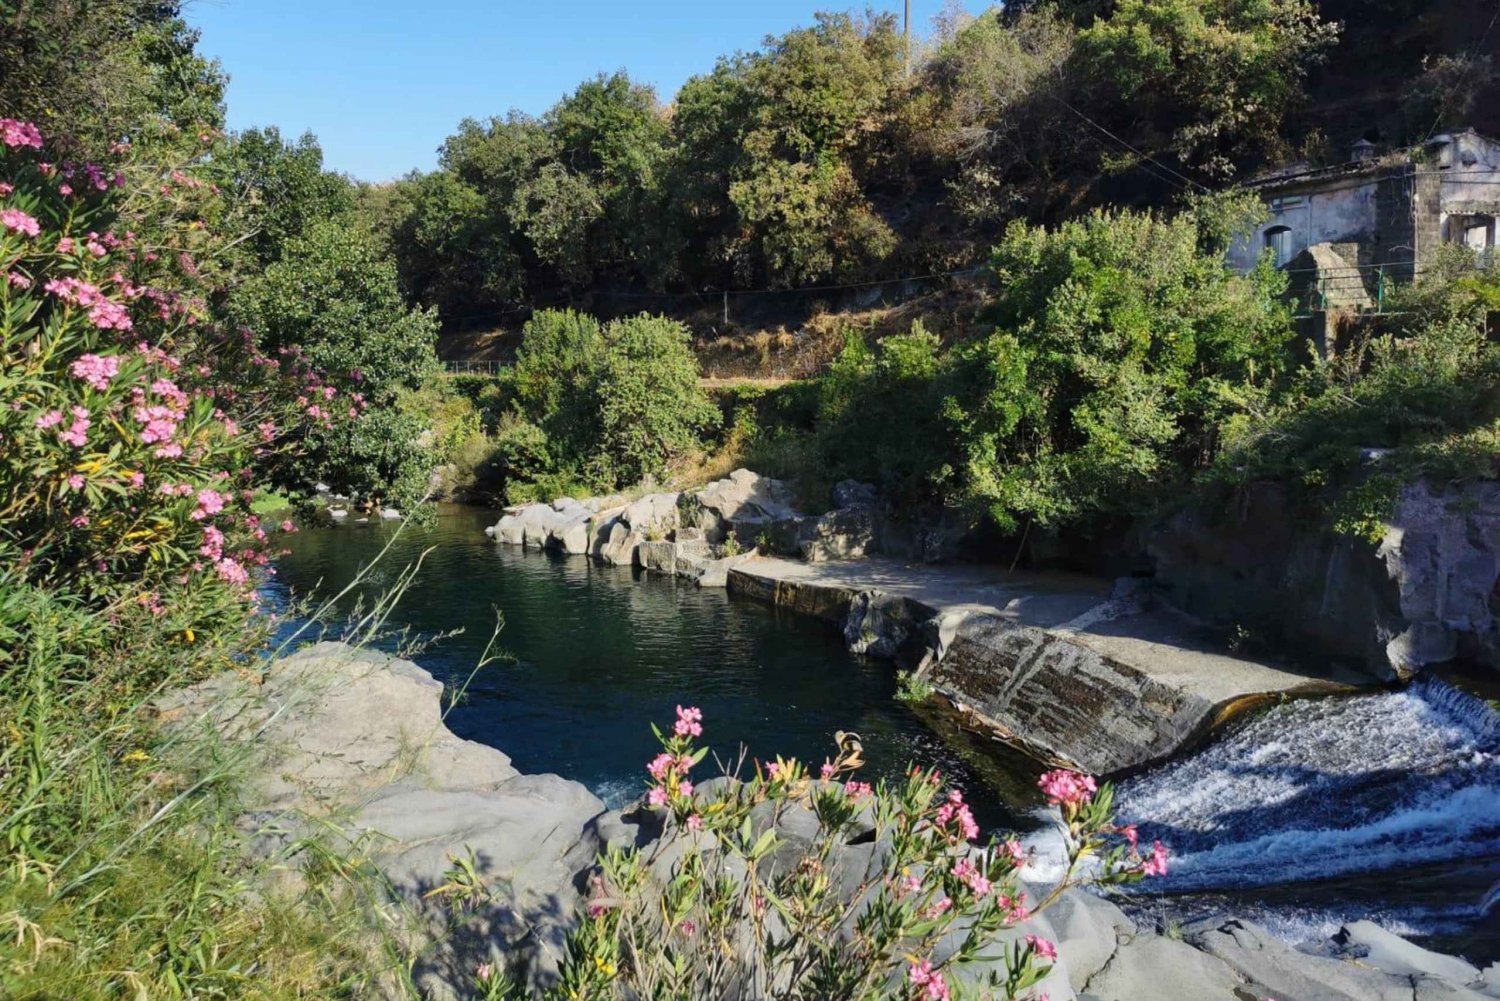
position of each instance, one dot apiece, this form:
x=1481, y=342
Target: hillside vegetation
x=815, y=160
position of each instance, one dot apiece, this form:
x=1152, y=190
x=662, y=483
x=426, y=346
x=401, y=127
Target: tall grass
x=124, y=861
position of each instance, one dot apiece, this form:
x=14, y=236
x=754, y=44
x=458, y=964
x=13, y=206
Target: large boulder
x=744, y=503
x=572, y=530
x=654, y=515
x=359, y=736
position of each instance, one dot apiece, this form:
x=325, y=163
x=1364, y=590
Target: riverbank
x=356, y=742
x=1074, y=670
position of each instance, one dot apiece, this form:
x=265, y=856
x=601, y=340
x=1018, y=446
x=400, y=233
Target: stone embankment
x=1075, y=670
x=345, y=740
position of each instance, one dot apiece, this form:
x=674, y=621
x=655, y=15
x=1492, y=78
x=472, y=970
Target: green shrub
x=600, y=407
x=1424, y=389
x=651, y=408
x=332, y=301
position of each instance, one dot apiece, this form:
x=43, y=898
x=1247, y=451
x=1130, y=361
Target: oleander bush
x=881, y=893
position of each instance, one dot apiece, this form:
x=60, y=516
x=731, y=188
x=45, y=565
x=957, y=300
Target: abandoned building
x=1344, y=232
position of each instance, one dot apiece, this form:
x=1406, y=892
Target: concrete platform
x=1074, y=669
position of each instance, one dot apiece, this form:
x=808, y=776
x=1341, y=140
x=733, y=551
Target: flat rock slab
x=1060, y=664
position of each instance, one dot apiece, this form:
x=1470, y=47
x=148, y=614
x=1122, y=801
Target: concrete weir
x=1072, y=669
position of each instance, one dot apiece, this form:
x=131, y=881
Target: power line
x=1122, y=142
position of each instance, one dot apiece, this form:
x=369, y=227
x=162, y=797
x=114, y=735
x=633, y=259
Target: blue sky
x=383, y=82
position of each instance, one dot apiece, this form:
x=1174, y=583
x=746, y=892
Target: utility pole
x=906, y=35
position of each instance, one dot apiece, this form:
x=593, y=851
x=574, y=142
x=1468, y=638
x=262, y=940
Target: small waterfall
x=1324, y=789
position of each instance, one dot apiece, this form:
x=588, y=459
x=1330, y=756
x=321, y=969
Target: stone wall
x=1425, y=595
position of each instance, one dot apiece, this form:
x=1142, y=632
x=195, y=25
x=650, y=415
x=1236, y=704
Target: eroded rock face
x=1064, y=700
x=1426, y=595
x=1442, y=553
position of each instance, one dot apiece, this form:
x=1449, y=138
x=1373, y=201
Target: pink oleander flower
x=1156, y=863
x=75, y=482
x=857, y=790
x=695, y=823
x=96, y=370
x=65, y=190
x=231, y=571
x=689, y=722
x=934, y=987
x=1015, y=910
x=6, y=189
x=658, y=766
x=16, y=134
x=1131, y=835
x=50, y=419
x=970, y=875
x=18, y=280
x=65, y=245
x=827, y=772
x=160, y=424
x=288, y=527
x=210, y=503
x=213, y=543
x=657, y=796
x=773, y=771
x=80, y=521
x=19, y=222
x=685, y=788
x=484, y=971
x=1016, y=852
x=1043, y=947
x=137, y=480
x=169, y=451
x=1067, y=788
x=938, y=909
x=78, y=431
x=957, y=813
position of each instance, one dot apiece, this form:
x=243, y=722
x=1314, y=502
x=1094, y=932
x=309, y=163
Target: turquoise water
x=596, y=653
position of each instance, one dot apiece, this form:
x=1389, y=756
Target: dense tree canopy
x=817, y=159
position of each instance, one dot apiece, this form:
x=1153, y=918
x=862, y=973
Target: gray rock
x=1372, y=945
x=839, y=535
x=1089, y=930
x=510, y=529
x=1422, y=596
x=572, y=530
x=1284, y=973
x=744, y=502
x=852, y=493
x=652, y=516
x=715, y=573
x=1152, y=968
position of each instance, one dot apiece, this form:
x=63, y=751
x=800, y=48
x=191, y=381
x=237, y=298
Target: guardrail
x=473, y=367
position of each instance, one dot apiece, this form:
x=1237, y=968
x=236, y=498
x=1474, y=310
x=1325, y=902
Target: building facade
x=1345, y=231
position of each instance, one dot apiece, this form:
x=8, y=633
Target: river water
x=1311, y=814
x=596, y=653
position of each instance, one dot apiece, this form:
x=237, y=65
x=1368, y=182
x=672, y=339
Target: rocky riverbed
x=1091, y=673
x=349, y=740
